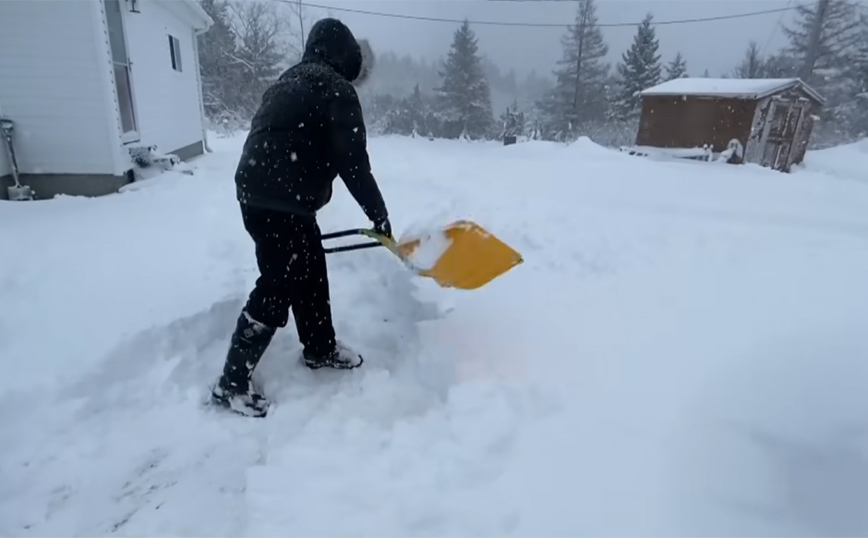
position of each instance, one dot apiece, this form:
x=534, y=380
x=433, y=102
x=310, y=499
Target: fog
x=714, y=45
x=525, y=65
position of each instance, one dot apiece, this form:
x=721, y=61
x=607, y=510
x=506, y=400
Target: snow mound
x=587, y=146
x=847, y=161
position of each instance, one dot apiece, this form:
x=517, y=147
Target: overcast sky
x=716, y=45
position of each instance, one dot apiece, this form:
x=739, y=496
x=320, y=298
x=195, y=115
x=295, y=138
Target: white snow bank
x=682, y=353
x=588, y=147
x=849, y=161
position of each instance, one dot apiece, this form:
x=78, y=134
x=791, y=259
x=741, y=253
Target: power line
x=530, y=1
x=544, y=24
x=857, y=3
x=774, y=31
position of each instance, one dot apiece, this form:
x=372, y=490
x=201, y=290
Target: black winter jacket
x=308, y=130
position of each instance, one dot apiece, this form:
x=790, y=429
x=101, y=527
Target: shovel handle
x=356, y=246
x=347, y=233
x=378, y=240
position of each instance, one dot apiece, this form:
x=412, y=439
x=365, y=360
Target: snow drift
x=682, y=353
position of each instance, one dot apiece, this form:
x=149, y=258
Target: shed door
x=784, y=122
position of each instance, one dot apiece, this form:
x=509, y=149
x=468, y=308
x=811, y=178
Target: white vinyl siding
x=52, y=88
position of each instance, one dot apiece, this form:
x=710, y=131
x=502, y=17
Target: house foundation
x=47, y=186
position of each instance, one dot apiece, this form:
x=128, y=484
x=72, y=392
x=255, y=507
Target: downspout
x=196, y=34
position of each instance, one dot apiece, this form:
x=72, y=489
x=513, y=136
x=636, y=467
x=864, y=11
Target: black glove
x=384, y=227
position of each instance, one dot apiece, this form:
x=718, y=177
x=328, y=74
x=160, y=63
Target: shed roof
x=741, y=88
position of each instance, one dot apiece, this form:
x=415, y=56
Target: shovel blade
x=462, y=255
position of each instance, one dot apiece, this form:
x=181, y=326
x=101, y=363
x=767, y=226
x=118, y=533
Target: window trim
x=175, y=54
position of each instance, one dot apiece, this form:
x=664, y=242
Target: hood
x=331, y=42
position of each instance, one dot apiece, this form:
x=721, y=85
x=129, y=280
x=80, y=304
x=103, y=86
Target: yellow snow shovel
x=461, y=255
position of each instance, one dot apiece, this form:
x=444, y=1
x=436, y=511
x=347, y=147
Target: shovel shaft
x=355, y=246
x=345, y=233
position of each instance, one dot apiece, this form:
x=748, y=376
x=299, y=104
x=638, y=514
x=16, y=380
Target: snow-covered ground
x=683, y=352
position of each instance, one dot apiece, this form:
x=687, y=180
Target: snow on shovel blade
x=462, y=255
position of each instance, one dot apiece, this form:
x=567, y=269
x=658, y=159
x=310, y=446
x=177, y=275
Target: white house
x=88, y=83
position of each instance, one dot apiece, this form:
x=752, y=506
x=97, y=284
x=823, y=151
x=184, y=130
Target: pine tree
x=677, y=68
x=838, y=25
x=779, y=65
x=418, y=111
x=640, y=69
x=706, y=74
x=464, y=94
x=752, y=65
x=578, y=94
x=855, y=108
x=512, y=121
x=860, y=64
x=823, y=39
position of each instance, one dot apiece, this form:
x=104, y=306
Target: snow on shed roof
x=745, y=88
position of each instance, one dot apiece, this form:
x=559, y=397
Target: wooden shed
x=762, y=121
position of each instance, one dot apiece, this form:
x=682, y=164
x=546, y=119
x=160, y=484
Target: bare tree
x=260, y=53
x=752, y=65
x=578, y=95
x=299, y=33
x=297, y=24
x=259, y=28
x=221, y=77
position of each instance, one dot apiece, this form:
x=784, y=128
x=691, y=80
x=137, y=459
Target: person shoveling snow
x=308, y=130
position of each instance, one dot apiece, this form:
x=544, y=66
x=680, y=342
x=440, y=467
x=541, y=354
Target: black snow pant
x=292, y=275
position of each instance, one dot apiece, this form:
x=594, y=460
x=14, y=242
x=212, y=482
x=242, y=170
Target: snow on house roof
x=196, y=9
x=744, y=88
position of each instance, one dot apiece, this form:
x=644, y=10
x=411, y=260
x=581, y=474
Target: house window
x=175, y=53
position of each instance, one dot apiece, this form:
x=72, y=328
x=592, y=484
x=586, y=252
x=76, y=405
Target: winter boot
x=342, y=358
x=235, y=388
